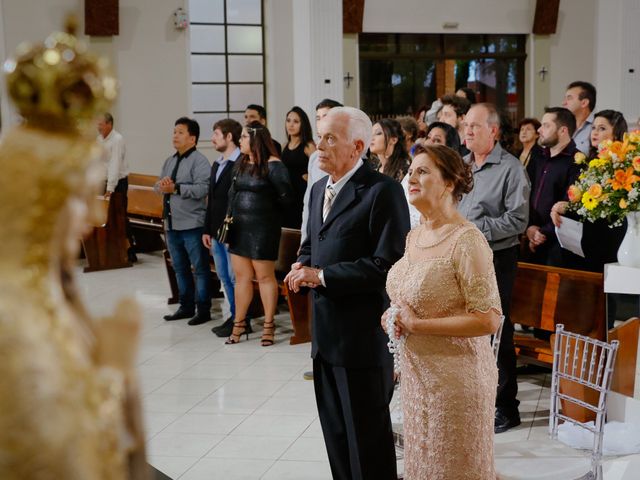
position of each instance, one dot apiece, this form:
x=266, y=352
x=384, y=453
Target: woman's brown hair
x=453, y=168
x=262, y=148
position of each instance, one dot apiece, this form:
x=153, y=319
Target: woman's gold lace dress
x=448, y=384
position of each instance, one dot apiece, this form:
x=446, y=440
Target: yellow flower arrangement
x=579, y=158
x=589, y=202
x=609, y=186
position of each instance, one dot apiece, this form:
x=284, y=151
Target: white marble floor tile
x=220, y=403
x=207, y=423
x=227, y=355
x=159, y=371
x=262, y=371
x=313, y=430
x=251, y=447
x=182, y=444
x=307, y=449
x=288, y=406
x=171, y=403
x=181, y=358
x=150, y=384
x=296, y=388
x=155, y=422
x=172, y=467
x=622, y=468
x=240, y=388
x=294, y=470
x=274, y=425
x=210, y=370
x=228, y=469
x=297, y=359
x=191, y=386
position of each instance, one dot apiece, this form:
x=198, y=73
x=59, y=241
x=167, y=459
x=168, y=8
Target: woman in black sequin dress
x=260, y=192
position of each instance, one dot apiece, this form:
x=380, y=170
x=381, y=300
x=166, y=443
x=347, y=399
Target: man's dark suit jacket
x=363, y=236
x=218, y=198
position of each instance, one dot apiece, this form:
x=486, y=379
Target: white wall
x=149, y=57
x=151, y=60
x=278, y=19
x=617, y=44
x=573, y=47
x=427, y=16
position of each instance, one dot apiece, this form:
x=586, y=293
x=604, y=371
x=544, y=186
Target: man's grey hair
x=493, y=117
x=359, y=123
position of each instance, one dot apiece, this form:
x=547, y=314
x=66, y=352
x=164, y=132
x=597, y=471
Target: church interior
x=212, y=410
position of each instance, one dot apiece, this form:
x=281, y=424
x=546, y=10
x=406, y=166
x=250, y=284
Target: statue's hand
x=118, y=336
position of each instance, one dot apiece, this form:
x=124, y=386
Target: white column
x=317, y=52
x=617, y=64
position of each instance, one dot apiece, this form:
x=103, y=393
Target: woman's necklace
x=438, y=241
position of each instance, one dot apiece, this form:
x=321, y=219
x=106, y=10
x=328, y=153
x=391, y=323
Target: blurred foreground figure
x=69, y=407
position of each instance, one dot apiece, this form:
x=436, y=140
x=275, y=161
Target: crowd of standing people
x=421, y=219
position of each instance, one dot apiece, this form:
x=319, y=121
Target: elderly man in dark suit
x=357, y=226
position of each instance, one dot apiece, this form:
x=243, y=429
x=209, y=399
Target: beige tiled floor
x=215, y=411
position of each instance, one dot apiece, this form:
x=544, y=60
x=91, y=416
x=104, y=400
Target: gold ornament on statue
x=59, y=84
x=69, y=407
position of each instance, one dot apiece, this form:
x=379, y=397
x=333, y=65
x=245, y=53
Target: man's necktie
x=167, y=196
x=329, y=195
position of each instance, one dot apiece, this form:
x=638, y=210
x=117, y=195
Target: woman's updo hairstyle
x=453, y=168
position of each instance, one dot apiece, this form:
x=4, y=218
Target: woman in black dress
x=295, y=157
x=260, y=191
x=600, y=242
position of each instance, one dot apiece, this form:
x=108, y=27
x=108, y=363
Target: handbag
x=222, y=235
x=224, y=231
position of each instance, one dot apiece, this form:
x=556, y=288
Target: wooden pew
x=545, y=296
x=624, y=371
x=145, y=216
x=299, y=303
x=105, y=247
x=145, y=213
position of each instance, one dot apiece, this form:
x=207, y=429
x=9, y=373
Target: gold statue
x=69, y=407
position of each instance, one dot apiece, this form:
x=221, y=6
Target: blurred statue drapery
x=69, y=407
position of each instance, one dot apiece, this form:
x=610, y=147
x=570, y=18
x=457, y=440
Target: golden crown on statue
x=58, y=85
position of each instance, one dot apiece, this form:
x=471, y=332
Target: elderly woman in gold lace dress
x=68, y=403
x=446, y=291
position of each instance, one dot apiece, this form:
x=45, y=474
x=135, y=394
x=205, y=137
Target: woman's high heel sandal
x=268, y=334
x=239, y=329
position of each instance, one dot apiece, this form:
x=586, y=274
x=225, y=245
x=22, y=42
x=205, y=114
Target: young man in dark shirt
x=550, y=175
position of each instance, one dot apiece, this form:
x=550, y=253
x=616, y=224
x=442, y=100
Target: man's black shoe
x=225, y=329
x=220, y=330
x=131, y=255
x=200, y=318
x=504, y=422
x=180, y=314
